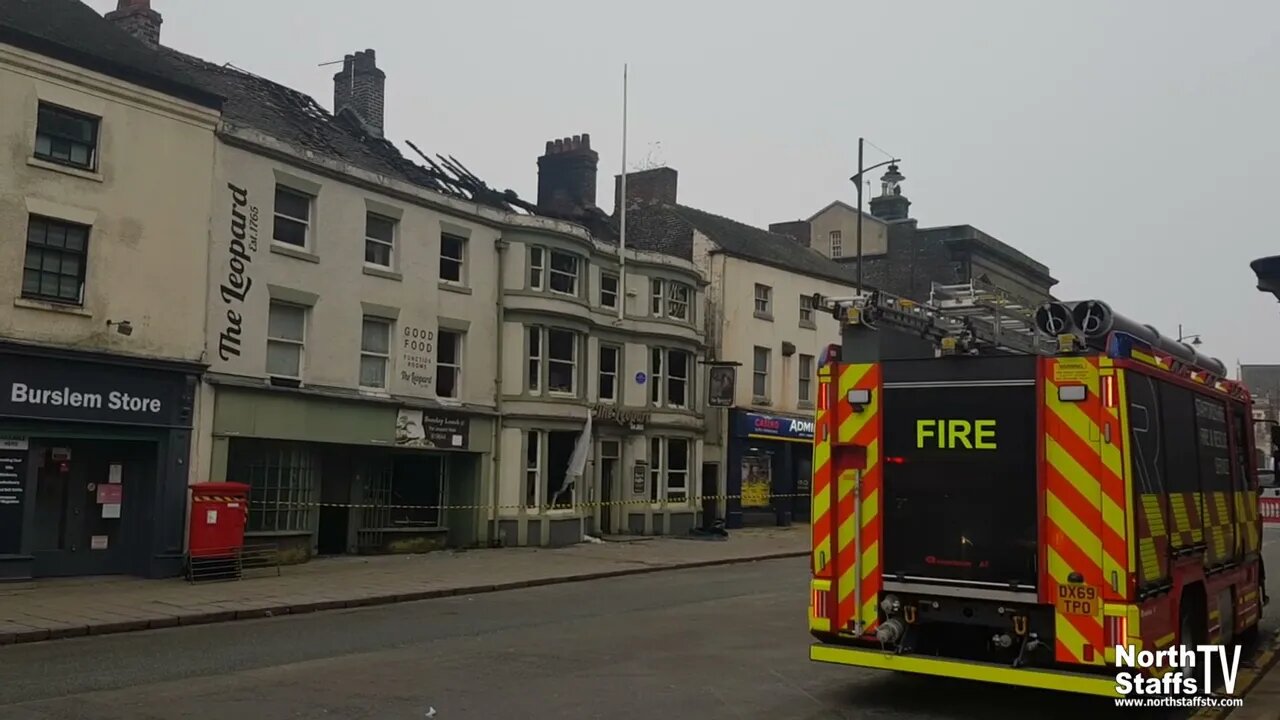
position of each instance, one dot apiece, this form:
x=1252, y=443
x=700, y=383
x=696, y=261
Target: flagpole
x=622, y=200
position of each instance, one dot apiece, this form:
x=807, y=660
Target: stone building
x=105, y=206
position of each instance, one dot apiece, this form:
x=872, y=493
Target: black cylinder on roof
x=1096, y=320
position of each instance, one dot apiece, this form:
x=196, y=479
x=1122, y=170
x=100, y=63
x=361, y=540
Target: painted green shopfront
x=334, y=475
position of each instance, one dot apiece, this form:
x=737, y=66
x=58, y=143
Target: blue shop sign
x=759, y=425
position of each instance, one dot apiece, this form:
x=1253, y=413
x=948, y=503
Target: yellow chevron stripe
x=1066, y=465
x=1070, y=413
x=855, y=421
x=870, y=560
x=1080, y=534
x=1113, y=515
x=850, y=376
x=868, y=614
x=870, y=508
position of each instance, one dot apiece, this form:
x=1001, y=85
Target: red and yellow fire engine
x=1006, y=497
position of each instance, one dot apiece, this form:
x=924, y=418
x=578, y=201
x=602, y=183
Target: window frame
x=538, y=268
x=765, y=299
x=835, y=237
x=300, y=344
x=657, y=375
x=806, y=312
x=804, y=381
x=657, y=297
x=385, y=357
x=615, y=396
x=671, y=377
x=573, y=362
x=460, y=261
x=533, y=454
x=456, y=366
x=756, y=372
x=389, y=244
x=277, y=216
x=674, y=288
x=605, y=276
x=81, y=277
x=552, y=272
x=94, y=147
x=535, y=354
x=669, y=472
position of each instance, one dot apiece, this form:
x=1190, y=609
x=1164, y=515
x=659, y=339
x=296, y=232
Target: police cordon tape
x=690, y=503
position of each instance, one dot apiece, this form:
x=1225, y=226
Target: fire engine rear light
x=1109, y=390
x=818, y=601
x=860, y=396
x=1072, y=393
x=1117, y=629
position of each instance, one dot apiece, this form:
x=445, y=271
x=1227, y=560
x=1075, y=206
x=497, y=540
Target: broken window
x=562, y=361
x=564, y=273
x=559, y=492
x=292, y=217
x=448, y=364
x=452, y=251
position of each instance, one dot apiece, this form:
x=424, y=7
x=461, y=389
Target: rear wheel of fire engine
x=1191, y=632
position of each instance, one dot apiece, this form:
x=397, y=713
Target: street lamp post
x=1194, y=337
x=857, y=180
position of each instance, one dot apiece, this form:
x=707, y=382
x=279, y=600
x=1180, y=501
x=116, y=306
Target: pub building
x=94, y=452
x=770, y=468
x=331, y=473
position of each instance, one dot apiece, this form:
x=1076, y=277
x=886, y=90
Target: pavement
x=73, y=607
x=1262, y=699
x=719, y=643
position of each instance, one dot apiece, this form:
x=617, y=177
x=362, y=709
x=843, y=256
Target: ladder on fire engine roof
x=975, y=314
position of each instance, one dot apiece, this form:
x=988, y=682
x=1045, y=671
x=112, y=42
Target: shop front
x=94, y=455
x=770, y=468
x=331, y=476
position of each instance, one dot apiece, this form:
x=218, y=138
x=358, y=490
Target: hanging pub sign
x=723, y=379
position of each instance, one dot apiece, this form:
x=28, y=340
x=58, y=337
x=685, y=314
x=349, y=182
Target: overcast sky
x=1130, y=146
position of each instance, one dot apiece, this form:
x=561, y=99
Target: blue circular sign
x=641, y=377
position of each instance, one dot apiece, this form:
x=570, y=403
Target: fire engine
x=1006, y=495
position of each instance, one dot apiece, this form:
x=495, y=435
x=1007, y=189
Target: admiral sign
x=759, y=425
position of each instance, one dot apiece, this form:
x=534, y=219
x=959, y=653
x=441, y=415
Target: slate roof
x=668, y=229
x=72, y=32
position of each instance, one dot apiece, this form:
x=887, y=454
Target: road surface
x=712, y=643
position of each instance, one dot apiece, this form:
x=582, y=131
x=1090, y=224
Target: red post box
x=218, y=514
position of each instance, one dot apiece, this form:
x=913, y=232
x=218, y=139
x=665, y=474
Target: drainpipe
x=501, y=246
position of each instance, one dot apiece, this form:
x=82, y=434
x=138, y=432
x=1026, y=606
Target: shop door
x=90, y=506
x=609, y=452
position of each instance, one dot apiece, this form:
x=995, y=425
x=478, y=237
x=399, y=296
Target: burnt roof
x=296, y=119
x=668, y=229
x=72, y=32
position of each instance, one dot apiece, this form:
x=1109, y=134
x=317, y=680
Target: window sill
x=454, y=287
x=808, y=325
x=757, y=400
x=65, y=169
x=293, y=252
x=762, y=316
x=805, y=404
x=381, y=272
x=48, y=306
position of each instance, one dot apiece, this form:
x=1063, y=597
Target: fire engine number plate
x=1076, y=599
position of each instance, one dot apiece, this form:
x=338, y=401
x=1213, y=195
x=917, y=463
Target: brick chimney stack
x=361, y=86
x=567, y=175
x=645, y=187
x=138, y=19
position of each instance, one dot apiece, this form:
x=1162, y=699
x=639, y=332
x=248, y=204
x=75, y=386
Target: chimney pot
x=586, y=141
x=567, y=176
x=361, y=87
x=646, y=187
x=138, y=19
